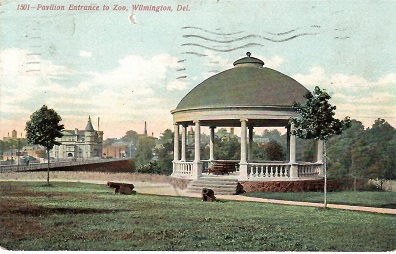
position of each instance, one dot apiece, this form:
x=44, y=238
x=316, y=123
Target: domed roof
x=247, y=84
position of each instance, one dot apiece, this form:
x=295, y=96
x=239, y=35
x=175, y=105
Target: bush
x=150, y=168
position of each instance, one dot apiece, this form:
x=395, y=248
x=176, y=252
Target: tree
x=43, y=129
x=226, y=149
x=165, y=152
x=341, y=150
x=317, y=122
x=144, y=151
x=130, y=136
x=274, y=151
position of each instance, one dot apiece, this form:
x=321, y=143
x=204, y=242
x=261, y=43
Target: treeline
x=367, y=153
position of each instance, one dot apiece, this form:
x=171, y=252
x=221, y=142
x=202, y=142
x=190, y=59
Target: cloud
x=177, y=85
x=24, y=76
x=85, y=54
x=122, y=96
x=355, y=96
x=272, y=63
x=136, y=73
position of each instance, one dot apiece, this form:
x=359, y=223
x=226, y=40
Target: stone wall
x=306, y=185
x=127, y=166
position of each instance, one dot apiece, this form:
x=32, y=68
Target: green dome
x=248, y=84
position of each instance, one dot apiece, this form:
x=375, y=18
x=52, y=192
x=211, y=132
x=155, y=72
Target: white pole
x=325, y=174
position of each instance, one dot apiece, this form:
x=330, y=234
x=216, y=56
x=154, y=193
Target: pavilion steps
x=219, y=186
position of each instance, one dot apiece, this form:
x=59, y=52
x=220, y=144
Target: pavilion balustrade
x=310, y=170
x=183, y=168
x=269, y=170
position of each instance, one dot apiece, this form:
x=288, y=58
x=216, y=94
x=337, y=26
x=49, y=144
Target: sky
x=130, y=66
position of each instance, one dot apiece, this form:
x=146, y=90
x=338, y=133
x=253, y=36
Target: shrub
x=150, y=168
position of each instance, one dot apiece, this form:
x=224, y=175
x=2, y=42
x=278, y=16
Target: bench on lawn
x=223, y=168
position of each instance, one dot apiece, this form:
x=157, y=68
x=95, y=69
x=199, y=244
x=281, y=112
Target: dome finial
x=248, y=54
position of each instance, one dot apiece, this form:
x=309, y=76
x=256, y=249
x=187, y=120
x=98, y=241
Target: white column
x=243, y=166
x=292, y=147
x=250, y=147
x=211, y=143
x=175, y=148
x=197, y=150
x=243, y=141
x=288, y=143
x=183, y=150
x=292, y=160
x=176, y=143
x=197, y=165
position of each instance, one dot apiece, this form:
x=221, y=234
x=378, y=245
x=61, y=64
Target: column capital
x=244, y=120
x=196, y=121
x=292, y=126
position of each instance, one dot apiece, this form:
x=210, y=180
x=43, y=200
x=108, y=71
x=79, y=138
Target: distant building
x=117, y=150
x=14, y=137
x=76, y=143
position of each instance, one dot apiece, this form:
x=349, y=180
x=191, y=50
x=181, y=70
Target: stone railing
x=53, y=164
x=268, y=170
x=182, y=168
x=307, y=169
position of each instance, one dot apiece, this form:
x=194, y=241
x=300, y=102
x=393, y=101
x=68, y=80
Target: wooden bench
x=223, y=168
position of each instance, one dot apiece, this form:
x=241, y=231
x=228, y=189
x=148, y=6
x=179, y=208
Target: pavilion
x=248, y=96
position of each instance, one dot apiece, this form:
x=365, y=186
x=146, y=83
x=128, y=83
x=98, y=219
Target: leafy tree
x=165, y=152
x=166, y=136
x=144, y=151
x=306, y=149
x=274, y=151
x=43, y=129
x=317, y=121
x=380, y=146
x=108, y=142
x=273, y=135
x=227, y=149
x=130, y=136
x=341, y=148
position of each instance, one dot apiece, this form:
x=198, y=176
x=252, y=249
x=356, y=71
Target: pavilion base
x=288, y=186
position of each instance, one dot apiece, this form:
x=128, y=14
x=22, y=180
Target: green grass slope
x=79, y=216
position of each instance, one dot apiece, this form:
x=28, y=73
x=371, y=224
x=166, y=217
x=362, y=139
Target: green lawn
x=79, y=216
x=361, y=198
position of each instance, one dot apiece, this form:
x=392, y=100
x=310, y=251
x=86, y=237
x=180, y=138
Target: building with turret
x=87, y=143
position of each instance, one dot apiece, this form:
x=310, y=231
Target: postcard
x=173, y=70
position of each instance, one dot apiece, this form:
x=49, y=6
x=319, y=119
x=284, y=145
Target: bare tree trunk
x=325, y=173
x=48, y=166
